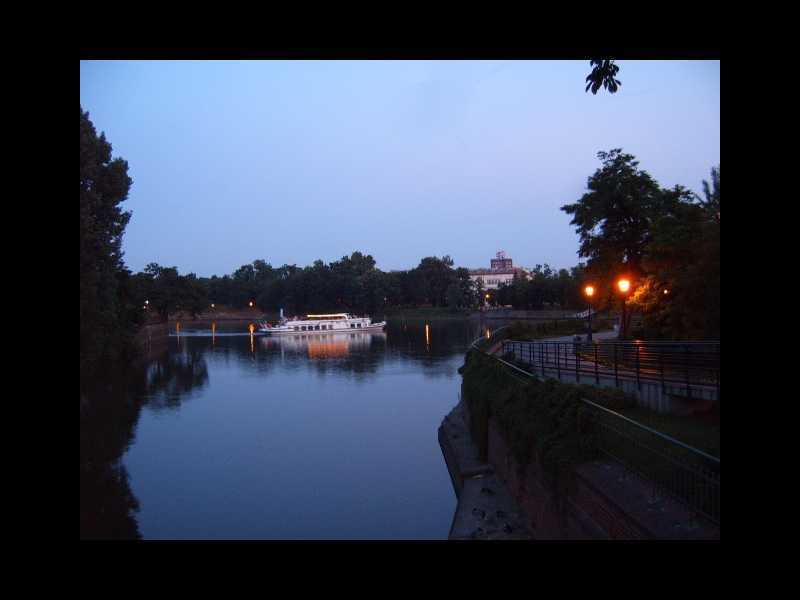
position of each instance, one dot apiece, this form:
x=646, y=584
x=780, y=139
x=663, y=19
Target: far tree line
x=352, y=284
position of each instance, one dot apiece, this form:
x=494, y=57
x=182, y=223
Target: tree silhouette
x=603, y=74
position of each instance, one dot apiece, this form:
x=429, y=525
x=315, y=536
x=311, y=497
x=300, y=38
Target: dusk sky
x=293, y=161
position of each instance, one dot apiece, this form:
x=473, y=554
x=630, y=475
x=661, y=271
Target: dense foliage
x=665, y=240
x=544, y=287
x=351, y=284
x=108, y=313
x=604, y=73
x=538, y=419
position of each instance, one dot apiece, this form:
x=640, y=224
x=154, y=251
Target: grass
x=698, y=431
x=524, y=331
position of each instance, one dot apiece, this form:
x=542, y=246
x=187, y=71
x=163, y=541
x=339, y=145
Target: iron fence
x=683, y=367
x=669, y=466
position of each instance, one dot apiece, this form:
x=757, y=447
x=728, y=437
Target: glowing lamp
x=251, y=303
x=589, y=290
x=666, y=292
x=624, y=285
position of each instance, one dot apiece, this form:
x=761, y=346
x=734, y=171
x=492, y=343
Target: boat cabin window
x=296, y=328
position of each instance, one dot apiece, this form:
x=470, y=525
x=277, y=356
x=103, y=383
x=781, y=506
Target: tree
x=105, y=325
x=454, y=296
x=480, y=292
x=683, y=260
x=613, y=219
x=667, y=240
x=711, y=203
x=435, y=275
x=603, y=74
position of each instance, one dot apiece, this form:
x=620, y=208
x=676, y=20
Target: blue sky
x=291, y=161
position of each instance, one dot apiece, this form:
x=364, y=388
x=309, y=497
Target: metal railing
x=671, y=467
x=683, y=367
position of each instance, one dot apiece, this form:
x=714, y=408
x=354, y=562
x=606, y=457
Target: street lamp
x=589, y=291
x=624, y=286
x=251, y=304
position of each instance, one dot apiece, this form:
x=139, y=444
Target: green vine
x=539, y=420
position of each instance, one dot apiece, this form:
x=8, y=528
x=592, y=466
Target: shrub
x=539, y=420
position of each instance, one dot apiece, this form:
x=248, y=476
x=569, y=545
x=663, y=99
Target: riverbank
x=485, y=510
x=430, y=313
x=533, y=435
x=527, y=315
x=152, y=340
x=245, y=314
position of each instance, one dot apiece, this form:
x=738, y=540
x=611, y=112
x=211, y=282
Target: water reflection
x=225, y=360
x=323, y=346
x=110, y=410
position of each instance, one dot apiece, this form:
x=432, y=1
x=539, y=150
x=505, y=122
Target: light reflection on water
x=315, y=436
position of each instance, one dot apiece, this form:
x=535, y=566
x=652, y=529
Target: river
x=231, y=436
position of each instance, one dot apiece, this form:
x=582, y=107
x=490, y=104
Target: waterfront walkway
x=671, y=377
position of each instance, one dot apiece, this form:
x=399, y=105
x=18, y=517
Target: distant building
x=501, y=272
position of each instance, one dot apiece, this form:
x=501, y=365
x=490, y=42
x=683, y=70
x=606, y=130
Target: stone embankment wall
x=485, y=509
x=601, y=501
x=228, y=315
x=153, y=339
x=532, y=315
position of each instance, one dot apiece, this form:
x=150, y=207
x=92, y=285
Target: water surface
x=321, y=436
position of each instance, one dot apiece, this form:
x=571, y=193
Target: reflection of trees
x=110, y=409
x=108, y=418
x=109, y=412
x=173, y=377
x=444, y=339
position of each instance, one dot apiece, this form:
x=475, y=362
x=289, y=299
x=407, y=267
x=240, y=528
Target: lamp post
x=589, y=291
x=624, y=286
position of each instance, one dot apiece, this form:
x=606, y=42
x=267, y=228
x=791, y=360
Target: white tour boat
x=332, y=323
